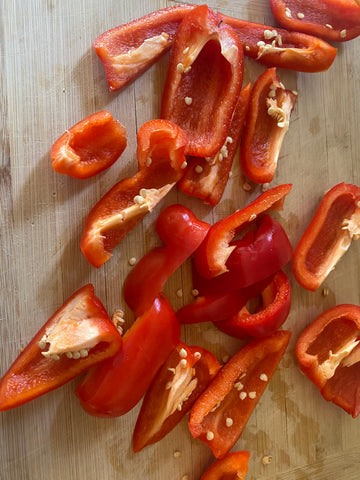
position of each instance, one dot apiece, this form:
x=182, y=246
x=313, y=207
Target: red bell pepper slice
x=89, y=147
x=206, y=178
x=335, y=224
x=328, y=352
x=160, y=154
x=176, y=387
x=79, y=335
x=210, y=258
x=273, y=311
x=220, y=414
x=332, y=20
x=115, y=386
x=181, y=233
x=267, y=122
x=234, y=466
x=203, y=81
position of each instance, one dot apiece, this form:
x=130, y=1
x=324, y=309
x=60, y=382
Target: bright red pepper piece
x=328, y=352
x=267, y=122
x=220, y=414
x=335, y=224
x=176, y=387
x=234, y=466
x=332, y=20
x=160, y=154
x=204, y=80
x=115, y=386
x=79, y=335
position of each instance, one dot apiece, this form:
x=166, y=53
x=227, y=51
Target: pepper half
x=234, y=466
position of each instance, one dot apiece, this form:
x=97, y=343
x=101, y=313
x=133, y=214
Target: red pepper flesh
x=234, y=466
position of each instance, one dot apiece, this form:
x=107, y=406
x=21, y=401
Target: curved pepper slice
x=234, y=466
x=220, y=414
x=332, y=20
x=328, y=352
x=330, y=233
x=203, y=81
x=160, y=154
x=274, y=310
x=79, y=335
x=210, y=258
x=267, y=122
x=115, y=386
x=176, y=387
x=89, y=147
x=181, y=233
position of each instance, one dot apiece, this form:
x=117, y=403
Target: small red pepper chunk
x=204, y=80
x=234, y=466
x=79, y=335
x=332, y=20
x=267, y=122
x=89, y=147
x=328, y=352
x=160, y=154
x=335, y=224
x=220, y=414
x=176, y=387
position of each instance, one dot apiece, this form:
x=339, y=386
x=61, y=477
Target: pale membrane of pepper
x=327, y=369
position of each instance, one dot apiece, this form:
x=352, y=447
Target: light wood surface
x=50, y=79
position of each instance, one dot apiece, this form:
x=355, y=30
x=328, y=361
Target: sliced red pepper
x=176, y=387
x=210, y=258
x=220, y=414
x=234, y=466
x=328, y=351
x=79, y=335
x=206, y=178
x=115, y=386
x=332, y=20
x=335, y=224
x=204, y=80
x=181, y=233
x=89, y=147
x=267, y=122
x=273, y=311
x=160, y=154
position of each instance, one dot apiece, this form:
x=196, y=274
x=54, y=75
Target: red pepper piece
x=89, y=147
x=330, y=233
x=160, y=154
x=206, y=178
x=204, y=80
x=79, y=335
x=328, y=352
x=220, y=414
x=210, y=258
x=274, y=310
x=181, y=233
x=332, y=20
x=114, y=387
x=267, y=122
x=128, y=50
x=234, y=466
x=176, y=387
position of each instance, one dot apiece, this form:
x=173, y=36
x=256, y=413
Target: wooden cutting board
x=50, y=79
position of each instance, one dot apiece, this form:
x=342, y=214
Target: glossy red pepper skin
x=160, y=154
x=32, y=374
x=267, y=122
x=203, y=81
x=211, y=257
x=274, y=310
x=176, y=387
x=248, y=373
x=206, y=178
x=234, y=466
x=114, y=387
x=89, y=147
x=328, y=236
x=328, y=352
x=332, y=20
